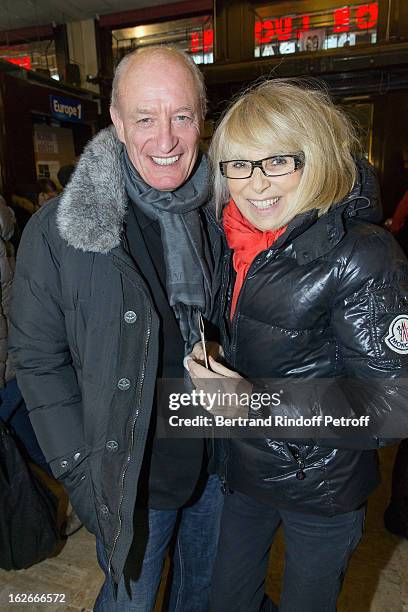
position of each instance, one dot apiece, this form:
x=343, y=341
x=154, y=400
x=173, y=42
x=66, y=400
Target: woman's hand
x=221, y=383
x=213, y=349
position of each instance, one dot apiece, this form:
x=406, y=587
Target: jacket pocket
x=78, y=485
x=389, y=323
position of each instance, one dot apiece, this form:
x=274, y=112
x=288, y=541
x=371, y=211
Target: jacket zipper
x=224, y=476
x=129, y=457
x=225, y=490
x=300, y=474
x=225, y=282
x=224, y=484
x=255, y=267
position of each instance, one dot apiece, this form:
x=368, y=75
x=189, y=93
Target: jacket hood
x=315, y=236
x=7, y=220
x=364, y=200
x=93, y=205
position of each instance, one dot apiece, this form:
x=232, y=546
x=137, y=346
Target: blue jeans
x=317, y=551
x=196, y=529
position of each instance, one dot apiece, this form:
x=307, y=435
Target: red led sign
x=266, y=30
x=342, y=20
x=201, y=41
x=367, y=16
x=362, y=17
x=24, y=61
x=194, y=42
x=345, y=19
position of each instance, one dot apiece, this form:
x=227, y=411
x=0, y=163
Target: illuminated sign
x=365, y=17
x=345, y=19
x=66, y=109
x=24, y=61
x=281, y=28
x=201, y=41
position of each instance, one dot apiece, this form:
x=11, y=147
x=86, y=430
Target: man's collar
x=92, y=208
x=93, y=205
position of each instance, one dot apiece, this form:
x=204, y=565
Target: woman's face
x=264, y=200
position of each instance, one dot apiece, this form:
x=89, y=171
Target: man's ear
x=118, y=123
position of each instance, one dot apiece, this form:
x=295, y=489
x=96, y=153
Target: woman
x=310, y=290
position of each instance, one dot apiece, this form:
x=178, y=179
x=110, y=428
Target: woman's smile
x=264, y=205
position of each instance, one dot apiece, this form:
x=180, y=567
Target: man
x=109, y=282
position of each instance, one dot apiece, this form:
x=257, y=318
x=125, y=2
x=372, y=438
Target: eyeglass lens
x=273, y=166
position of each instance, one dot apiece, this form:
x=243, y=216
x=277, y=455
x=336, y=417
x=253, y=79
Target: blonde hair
x=161, y=51
x=284, y=116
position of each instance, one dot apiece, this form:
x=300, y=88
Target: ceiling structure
x=15, y=14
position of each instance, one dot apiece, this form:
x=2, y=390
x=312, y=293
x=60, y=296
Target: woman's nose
x=259, y=181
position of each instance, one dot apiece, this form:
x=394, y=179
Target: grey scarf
x=186, y=256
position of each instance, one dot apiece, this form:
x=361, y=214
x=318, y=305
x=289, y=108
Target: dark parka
x=85, y=345
x=319, y=305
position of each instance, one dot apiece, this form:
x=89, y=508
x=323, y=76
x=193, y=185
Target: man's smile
x=165, y=161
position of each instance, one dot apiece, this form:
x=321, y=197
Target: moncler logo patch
x=397, y=338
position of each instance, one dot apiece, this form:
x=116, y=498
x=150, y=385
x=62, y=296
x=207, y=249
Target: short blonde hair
x=286, y=116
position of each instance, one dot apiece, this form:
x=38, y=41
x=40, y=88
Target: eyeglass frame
x=298, y=158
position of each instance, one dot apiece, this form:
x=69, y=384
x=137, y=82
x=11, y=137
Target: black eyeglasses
x=277, y=165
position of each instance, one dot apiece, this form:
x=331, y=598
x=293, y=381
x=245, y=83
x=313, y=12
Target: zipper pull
x=301, y=474
x=224, y=486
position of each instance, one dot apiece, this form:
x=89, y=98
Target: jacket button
x=104, y=510
x=124, y=384
x=112, y=446
x=64, y=464
x=130, y=316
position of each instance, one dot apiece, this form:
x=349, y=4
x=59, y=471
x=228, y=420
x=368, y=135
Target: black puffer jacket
x=319, y=305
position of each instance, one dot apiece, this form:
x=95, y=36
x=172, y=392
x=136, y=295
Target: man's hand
x=222, y=382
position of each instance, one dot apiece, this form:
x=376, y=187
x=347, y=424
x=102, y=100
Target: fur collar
x=93, y=205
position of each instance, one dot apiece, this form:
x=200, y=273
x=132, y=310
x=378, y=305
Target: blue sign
x=66, y=109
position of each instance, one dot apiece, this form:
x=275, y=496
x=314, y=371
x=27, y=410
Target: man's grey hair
x=160, y=50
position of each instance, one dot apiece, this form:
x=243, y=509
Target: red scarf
x=246, y=241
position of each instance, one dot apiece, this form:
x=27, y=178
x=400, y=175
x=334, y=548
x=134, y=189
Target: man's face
x=158, y=120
